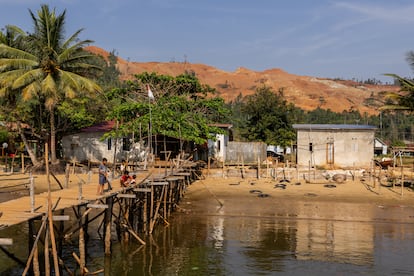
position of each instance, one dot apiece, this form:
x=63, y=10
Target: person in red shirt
x=125, y=179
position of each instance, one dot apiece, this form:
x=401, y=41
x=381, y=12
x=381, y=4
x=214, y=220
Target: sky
x=348, y=39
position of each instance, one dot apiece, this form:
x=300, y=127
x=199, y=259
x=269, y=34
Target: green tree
x=268, y=117
x=183, y=107
x=48, y=68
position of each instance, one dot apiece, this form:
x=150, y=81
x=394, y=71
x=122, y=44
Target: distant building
x=217, y=148
x=87, y=144
x=380, y=147
x=335, y=145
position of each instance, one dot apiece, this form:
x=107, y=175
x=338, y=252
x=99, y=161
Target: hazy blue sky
x=322, y=38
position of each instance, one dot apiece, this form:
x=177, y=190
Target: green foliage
x=4, y=135
x=41, y=68
x=183, y=107
x=265, y=117
x=404, y=99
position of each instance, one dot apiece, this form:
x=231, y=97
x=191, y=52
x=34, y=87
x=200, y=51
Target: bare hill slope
x=306, y=92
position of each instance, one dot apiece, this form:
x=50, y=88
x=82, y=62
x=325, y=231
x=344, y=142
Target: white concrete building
x=335, y=146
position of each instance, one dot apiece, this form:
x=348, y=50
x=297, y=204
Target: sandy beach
x=266, y=196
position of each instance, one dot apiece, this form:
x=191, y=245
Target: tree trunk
x=27, y=146
x=52, y=136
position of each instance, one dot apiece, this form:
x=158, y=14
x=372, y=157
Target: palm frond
x=27, y=78
x=10, y=52
x=393, y=107
x=79, y=83
x=49, y=86
x=30, y=91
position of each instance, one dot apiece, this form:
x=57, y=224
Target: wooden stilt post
x=34, y=248
x=107, y=225
x=31, y=239
x=145, y=212
x=50, y=216
x=67, y=172
x=46, y=253
x=32, y=194
x=36, y=267
x=82, y=253
x=151, y=213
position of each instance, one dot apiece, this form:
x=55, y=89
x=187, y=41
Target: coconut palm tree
x=404, y=99
x=12, y=106
x=47, y=67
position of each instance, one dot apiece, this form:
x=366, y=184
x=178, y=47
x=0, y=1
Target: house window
x=126, y=144
x=109, y=141
x=354, y=144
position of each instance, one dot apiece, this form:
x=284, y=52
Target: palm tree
x=404, y=99
x=47, y=67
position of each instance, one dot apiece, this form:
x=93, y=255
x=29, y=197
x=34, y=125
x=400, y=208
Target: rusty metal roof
x=100, y=127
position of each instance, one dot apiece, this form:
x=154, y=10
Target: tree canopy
x=42, y=68
x=265, y=117
x=182, y=108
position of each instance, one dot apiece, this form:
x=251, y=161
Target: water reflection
x=269, y=244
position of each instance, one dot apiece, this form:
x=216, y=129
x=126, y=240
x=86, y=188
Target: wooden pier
x=133, y=211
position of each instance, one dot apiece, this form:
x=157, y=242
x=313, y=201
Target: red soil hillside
x=304, y=91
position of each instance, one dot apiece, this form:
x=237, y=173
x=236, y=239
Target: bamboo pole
x=36, y=267
x=67, y=172
x=402, y=180
x=50, y=215
x=78, y=260
x=107, y=226
x=46, y=253
x=135, y=235
x=145, y=212
x=151, y=213
x=29, y=259
x=154, y=220
x=82, y=255
x=32, y=194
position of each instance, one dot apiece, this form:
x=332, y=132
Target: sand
x=269, y=197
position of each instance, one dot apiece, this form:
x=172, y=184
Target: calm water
x=218, y=244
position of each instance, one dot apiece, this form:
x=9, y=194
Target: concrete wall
x=346, y=148
x=250, y=151
x=88, y=146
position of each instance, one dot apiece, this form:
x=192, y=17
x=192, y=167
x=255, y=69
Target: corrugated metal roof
x=333, y=127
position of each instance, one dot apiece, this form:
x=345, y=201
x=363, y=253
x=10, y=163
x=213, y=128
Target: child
x=133, y=180
x=103, y=174
x=125, y=179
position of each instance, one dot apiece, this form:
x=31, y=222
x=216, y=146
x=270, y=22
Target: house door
x=330, y=158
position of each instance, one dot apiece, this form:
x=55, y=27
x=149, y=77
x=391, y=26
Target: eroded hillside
x=306, y=92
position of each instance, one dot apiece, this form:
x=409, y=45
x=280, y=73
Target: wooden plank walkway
x=18, y=210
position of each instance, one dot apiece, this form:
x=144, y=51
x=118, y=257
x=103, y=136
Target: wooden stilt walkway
x=140, y=207
x=19, y=210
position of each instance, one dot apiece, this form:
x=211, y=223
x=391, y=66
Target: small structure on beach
x=380, y=147
x=335, y=145
x=87, y=144
x=217, y=148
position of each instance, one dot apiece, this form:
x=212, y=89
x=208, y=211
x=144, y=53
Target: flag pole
x=150, y=97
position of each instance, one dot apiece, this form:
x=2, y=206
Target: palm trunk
x=53, y=137
x=27, y=146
